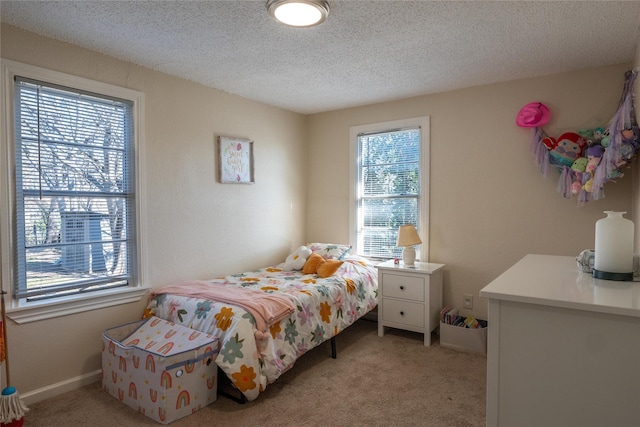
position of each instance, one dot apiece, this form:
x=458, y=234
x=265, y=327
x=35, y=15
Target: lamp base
x=409, y=256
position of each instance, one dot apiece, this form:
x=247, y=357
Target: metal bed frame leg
x=333, y=347
x=224, y=385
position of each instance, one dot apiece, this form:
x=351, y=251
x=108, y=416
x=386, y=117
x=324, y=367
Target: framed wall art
x=235, y=160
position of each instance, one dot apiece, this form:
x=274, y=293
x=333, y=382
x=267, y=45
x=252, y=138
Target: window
x=74, y=185
x=390, y=174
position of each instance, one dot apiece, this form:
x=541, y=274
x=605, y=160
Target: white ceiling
x=367, y=51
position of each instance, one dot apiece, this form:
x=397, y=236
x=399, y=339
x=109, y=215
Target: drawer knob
x=402, y=287
x=402, y=313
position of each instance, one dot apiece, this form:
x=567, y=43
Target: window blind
x=74, y=192
x=388, y=189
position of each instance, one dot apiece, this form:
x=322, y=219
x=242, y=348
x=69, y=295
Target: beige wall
x=197, y=228
x=489, y=204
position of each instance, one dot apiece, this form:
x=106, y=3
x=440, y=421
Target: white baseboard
x=56, y=389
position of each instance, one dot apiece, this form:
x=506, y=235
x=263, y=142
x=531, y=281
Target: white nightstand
x=409, y=298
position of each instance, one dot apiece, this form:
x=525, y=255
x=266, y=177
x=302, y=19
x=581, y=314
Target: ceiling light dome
x=298, y=13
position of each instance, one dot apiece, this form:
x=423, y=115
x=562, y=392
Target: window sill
x=77, y=304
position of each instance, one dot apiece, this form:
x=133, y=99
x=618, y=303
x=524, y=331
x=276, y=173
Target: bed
x=252, y=354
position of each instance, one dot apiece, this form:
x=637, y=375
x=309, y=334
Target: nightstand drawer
x=406, y=287
x=405, y=312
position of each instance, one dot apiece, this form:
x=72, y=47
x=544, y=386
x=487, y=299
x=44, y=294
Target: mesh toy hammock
x=603, y=160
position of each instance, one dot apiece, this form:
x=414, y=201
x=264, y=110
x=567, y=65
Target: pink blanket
x=265, y=308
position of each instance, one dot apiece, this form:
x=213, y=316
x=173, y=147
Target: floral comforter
x=253, y=359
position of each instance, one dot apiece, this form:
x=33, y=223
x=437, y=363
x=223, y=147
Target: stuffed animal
x=626, y=153
x=549, y=142
x=296, y=260
x=588, y=186
x=592, y=136
x=578, y=167
x=576, y=186
x=587, y=134
x=598, y=134
x=568, y=148
x=594, y=154
x=580, y=164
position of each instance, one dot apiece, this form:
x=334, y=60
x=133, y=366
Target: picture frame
x=235, y=160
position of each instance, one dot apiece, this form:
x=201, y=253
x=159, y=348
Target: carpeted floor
x=389, y=381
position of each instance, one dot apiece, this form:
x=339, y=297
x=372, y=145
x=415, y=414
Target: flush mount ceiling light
x=298, y=13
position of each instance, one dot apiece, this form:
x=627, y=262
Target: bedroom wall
x=489, y=205
x=197, y=228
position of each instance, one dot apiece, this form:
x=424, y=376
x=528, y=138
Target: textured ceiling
x=366, y=52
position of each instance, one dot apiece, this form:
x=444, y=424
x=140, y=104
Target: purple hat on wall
x=533, y=114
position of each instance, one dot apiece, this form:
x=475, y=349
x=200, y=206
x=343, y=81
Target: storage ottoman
x=163, y=370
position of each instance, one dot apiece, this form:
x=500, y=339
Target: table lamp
x=407, y=238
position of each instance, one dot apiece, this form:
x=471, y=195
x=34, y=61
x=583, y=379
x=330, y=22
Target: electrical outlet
x=468, y=301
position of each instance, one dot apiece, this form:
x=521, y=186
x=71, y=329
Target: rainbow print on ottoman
x=163, y=370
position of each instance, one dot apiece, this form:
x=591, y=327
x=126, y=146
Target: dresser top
x=422, y=267
x=556, y=281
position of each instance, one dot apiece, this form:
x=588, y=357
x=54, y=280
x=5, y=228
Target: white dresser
x=409, y=298
x=563, y=347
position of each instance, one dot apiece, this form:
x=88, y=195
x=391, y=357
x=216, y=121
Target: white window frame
x=20, y=310
x=421, y=122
